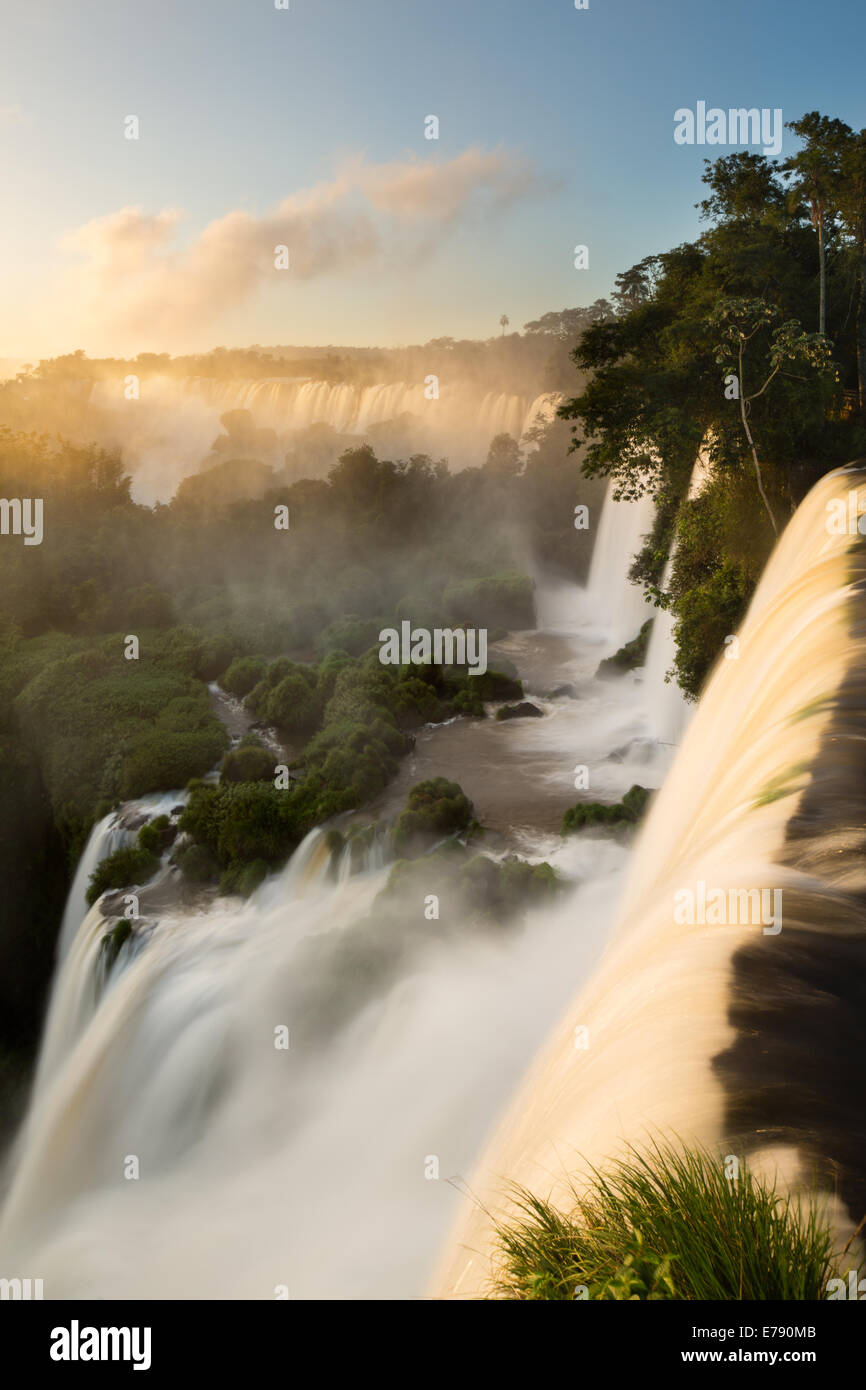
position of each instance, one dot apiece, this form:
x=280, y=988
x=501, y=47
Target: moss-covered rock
x=626, y=812
x=525, y=710
x=113, y=940
x=157, y=835
x=629, y=657
x=128, y=867
x=434, y=809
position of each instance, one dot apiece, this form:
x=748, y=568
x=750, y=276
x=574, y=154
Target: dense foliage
x=750, y=344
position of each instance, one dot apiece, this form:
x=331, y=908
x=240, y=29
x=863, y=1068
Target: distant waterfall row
x=284, y=405
x=168, y=432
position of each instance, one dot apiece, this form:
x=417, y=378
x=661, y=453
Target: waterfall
x=277, y=1167
x=110, y=834
x=667, y=707
x=612, y=602
x=161, y=1094
x=669, y=711
x=739, y=1026
x=105, y=837
x=167, y=433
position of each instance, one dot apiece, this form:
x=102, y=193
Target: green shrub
x=126, y=868
x=666, y=1225
x=157, y=835
x=503, y=600
x=243, y=674
x=197, y=863
x=243, y=879
x=626, y=812
x=434, y=808
x=629, y=656
x=113, y=940
x=251, y=761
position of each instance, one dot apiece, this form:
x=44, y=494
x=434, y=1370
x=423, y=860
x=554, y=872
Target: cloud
x=136, y=278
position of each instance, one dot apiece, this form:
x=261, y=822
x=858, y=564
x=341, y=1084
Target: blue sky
x=243, y=106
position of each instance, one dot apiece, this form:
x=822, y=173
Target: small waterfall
x=739, y=1026
x=612, y=602
x=669, y=711
x=105, y=838
x=667, y=708
x=110, y=834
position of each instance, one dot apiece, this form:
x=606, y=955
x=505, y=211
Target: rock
x=524, y=710
x=563, y=692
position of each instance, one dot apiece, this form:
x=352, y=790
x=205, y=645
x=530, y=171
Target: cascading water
x=612, y=602
x=167, y=433
x=110, y=834
x=669, y=711
x=667, y=706
x=739, y=1025
x=309, y=1167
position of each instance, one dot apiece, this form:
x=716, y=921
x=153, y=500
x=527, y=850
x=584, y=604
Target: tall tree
x=852, y=210
x=815, y=174
x=737, y=322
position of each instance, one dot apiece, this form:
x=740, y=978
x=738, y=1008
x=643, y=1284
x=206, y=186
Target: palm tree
x=503, y=323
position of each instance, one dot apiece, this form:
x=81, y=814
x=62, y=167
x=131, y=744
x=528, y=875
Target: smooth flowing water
x=172, y=1150
x=734, y=1026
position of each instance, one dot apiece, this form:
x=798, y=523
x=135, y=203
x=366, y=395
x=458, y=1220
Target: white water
x=306, y=1168
x=613, y=603
x=669, y=710
x=107, y=835
x=691, y=1024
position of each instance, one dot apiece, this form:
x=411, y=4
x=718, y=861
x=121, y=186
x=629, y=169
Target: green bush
x=128, y=867
x=629, y=656
x=503, y=600
x=251, y=761
x=243, y=674
x=113, y=940
x=157, y=835
x=243, y=879
x=434, y=808
x=666, y=1225
x=626, y=812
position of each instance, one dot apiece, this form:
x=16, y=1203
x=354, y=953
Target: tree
x=738, y=322
x=634, y=287
x=815, y=172
x=744, y=187
x=504, y=458
x=503, y=323
x=567, y=324
x=852, y=210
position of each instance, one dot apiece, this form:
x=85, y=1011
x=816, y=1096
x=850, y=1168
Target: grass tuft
x=666, y=1224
